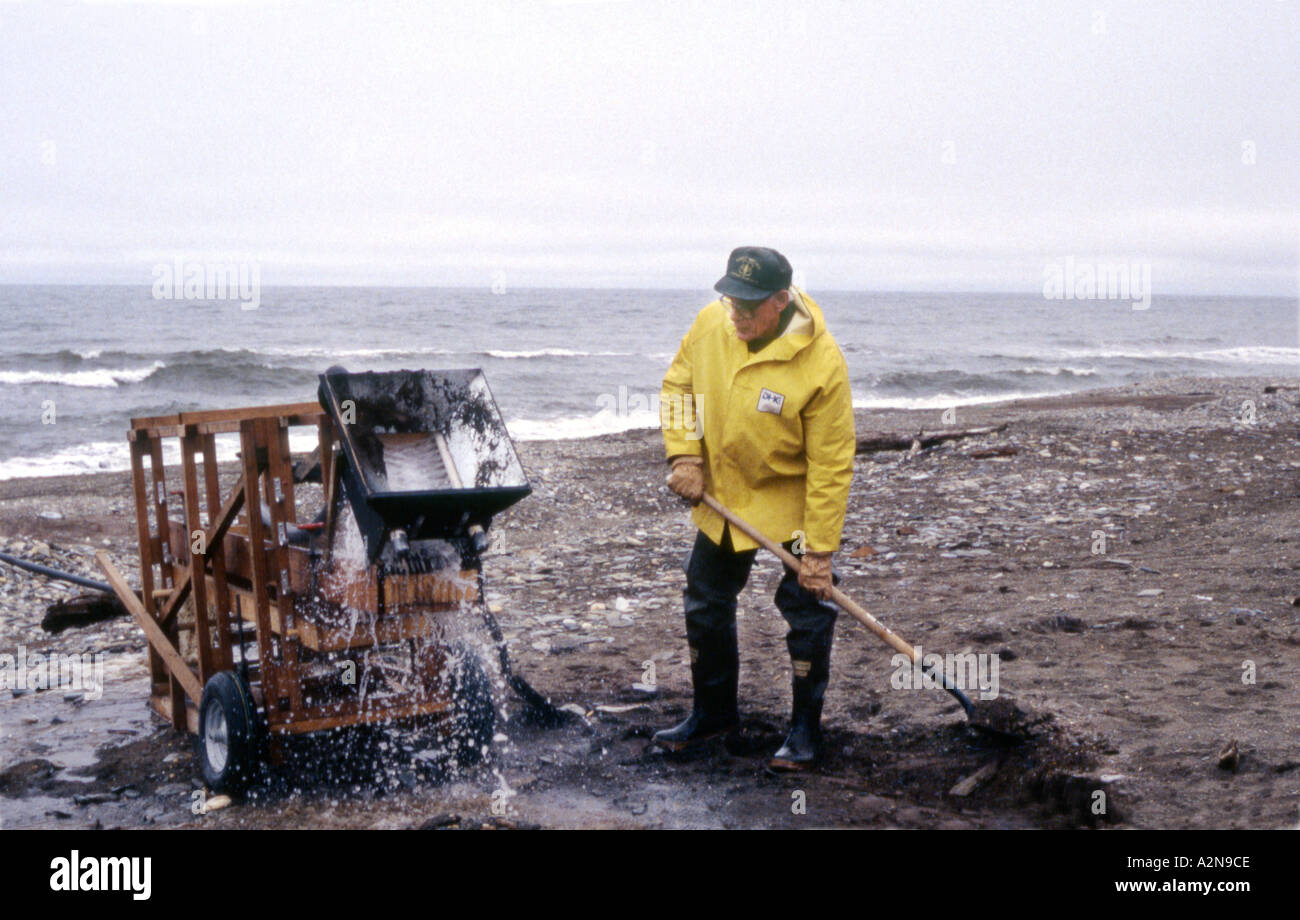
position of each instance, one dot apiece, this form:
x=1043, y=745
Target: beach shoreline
x=986, y=544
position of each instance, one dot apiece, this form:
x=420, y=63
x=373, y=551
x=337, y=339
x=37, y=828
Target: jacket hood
x=805, y=327
x=803, y=322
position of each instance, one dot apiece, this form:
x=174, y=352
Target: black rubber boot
x=714, y=577
x=802, y=749
x=696, y=730
x=812, y=628
x=714, y=674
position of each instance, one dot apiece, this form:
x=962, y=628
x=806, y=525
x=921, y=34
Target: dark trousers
x=715, y=576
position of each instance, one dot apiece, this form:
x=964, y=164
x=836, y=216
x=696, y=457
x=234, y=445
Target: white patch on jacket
x=770, y=402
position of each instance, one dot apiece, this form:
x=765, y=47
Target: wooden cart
x=256, y=634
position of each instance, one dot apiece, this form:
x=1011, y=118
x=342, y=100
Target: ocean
x=76, y=362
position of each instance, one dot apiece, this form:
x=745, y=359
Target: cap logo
x=745, y=268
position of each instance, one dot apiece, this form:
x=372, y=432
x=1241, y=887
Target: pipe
x=55, y=573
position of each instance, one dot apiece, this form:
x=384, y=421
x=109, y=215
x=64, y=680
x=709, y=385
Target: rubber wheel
x=473, y=720
x=228, y=745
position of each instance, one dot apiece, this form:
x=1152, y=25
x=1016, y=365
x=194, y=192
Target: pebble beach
x=987, y=543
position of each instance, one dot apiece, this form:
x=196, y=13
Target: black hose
x=55, y=573
x=537, y=708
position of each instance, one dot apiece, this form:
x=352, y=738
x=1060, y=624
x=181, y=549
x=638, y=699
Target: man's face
x=756, y=319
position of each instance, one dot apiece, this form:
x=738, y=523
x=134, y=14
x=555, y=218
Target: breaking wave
x=101, y=378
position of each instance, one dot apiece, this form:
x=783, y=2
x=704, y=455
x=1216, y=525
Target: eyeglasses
x=744, y=307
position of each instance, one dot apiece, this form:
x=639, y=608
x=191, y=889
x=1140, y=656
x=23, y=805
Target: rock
x=446, y=819
x=1151, y=592
x=862, y=552
x=1230, y=756
x=968, y=785
x=216, y=803
x=94, y=798
x=563, y=646
x=1063, y=622
x=50, y=515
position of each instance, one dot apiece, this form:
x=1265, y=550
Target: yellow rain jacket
x=775, y=428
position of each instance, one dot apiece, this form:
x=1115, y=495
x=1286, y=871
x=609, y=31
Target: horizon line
x=658, y=288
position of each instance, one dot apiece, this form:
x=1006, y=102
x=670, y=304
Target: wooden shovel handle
x=891, y=638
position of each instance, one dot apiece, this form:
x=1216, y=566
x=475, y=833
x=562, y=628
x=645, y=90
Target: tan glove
x=815, y=574
x=687, y=478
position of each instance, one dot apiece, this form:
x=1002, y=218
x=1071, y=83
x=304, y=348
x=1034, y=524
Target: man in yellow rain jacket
x=756, y=408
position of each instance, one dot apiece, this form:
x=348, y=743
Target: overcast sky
x=948, y=145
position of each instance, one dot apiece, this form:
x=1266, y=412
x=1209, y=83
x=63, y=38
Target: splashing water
x=442, y=748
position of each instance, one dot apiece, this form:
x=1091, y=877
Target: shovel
x=999, y=716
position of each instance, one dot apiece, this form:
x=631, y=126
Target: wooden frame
x=247, y=574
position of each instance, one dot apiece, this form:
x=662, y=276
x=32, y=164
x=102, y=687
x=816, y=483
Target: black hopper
x=426, y=454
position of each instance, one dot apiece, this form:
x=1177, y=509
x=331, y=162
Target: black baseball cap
x=755, y=273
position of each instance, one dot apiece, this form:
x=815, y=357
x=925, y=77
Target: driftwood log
x=893, y=440
x=82, y=610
